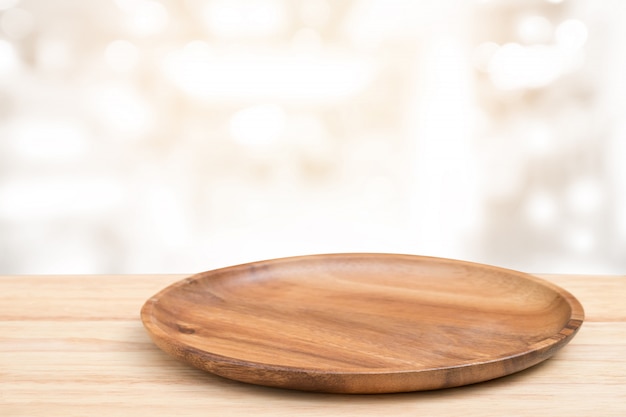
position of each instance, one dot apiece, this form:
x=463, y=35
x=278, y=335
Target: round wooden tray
x=362, y=323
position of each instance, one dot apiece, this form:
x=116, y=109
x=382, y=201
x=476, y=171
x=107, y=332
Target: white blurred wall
x=144, y=136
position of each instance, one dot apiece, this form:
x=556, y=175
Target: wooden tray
x=362, y=323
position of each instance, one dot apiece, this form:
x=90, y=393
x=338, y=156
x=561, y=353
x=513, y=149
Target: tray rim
x=190, y=354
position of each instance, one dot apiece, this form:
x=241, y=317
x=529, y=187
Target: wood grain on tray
x=362, y=323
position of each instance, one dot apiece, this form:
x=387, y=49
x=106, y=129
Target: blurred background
x=145, y=136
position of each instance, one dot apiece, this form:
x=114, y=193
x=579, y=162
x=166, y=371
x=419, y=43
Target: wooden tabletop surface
x=75, y=346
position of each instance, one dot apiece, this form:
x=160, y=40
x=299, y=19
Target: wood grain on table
x=75, y=346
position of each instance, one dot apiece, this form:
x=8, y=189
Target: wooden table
x=74, y=346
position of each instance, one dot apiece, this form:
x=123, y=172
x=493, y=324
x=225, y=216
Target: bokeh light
x=276, y=75
x=9, y=61
x=16, y=23
x=571, y=34
x=542, y=209
x=258, y=125
x=245, y=18
x=534, y=29
x=514, y=66
x=120, y=109
x=121, y=55
x=53, y=55
x=144, y=17
x=141, y=136
x=7, y=4
x=61, y=196
x=52, y=140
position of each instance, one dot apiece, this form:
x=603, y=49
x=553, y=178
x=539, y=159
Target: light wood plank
x=78, y=348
